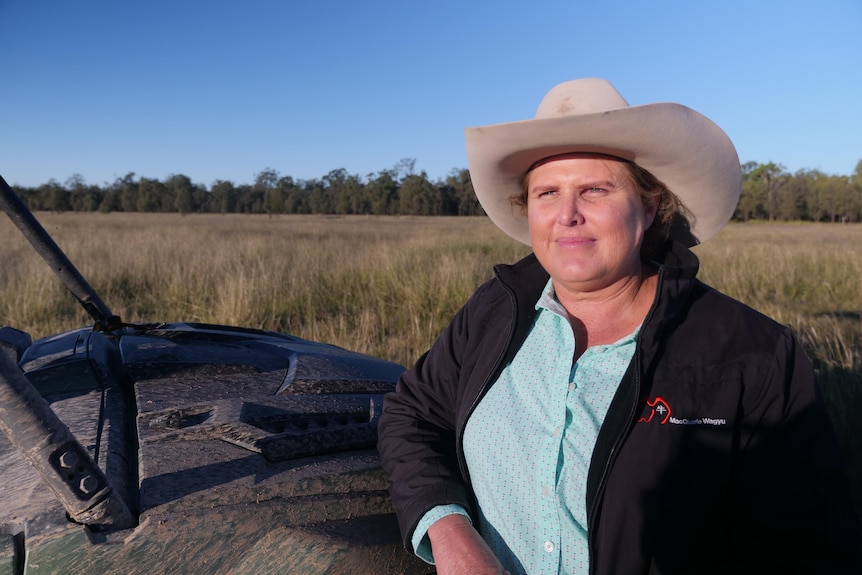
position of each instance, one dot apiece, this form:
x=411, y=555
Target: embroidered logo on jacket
x=661, y=407
x=660, y=411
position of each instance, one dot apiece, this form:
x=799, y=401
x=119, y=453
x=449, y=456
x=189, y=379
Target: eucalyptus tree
x=273, y=201
x=83, y=197
x=127, y=192
x=180, y=187
x=52, y=196
x=266, y=185
x=382, y=192
x=460, y=188
x=223, y=197
x=417, y=196
x=760, y=185
x=792, y=199
x=318, y=199
x=153, y=196
x=295, y=200
x=334, y=186
x=855, y=193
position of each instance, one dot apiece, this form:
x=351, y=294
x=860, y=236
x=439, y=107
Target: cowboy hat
x=689, y=153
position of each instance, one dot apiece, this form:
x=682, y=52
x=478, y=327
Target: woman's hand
x=459, y=549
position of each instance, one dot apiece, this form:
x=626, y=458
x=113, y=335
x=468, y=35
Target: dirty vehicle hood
x=237, y=450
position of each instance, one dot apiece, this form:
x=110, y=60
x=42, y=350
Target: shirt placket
x=567, y=488
x=557, y=395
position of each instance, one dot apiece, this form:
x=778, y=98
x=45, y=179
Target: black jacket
x=716, y=455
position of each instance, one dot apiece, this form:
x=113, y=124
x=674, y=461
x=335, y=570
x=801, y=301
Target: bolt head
x=88, y=484
x=68, y=459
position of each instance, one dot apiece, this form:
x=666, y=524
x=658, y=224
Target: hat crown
x=577, y=97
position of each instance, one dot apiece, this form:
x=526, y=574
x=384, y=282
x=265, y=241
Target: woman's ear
x=650, y=211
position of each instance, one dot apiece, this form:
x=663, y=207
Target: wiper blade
x=66, y=467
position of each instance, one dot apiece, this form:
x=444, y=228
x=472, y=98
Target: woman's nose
x=570, y=213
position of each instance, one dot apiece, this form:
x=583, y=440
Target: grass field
x=387, y=285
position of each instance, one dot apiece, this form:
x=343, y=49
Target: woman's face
x=586, y=221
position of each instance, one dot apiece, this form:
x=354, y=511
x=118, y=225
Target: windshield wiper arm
x=23, y=218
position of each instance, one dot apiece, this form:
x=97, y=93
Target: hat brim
x=688, y=152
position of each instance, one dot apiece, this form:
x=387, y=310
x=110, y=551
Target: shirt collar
x=548, y=300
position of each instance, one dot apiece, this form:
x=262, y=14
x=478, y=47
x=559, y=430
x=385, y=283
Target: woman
x=594, y=408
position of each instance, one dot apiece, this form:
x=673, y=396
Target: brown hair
x=671, y=213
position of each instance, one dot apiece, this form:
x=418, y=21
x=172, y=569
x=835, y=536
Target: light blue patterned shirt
x=528, y=446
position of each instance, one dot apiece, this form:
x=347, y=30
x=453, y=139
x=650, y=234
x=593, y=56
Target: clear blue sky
x=222, y=90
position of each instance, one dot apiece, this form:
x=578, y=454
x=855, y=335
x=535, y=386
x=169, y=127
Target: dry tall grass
x=387, y=286
x=383, y=286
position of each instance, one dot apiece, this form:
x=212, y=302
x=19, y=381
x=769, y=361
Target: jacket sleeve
x=416, y=432
x=794, y=510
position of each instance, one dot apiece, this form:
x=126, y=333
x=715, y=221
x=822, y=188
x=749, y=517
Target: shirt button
x=556, y=432
x=573, y=386
x=549, y=546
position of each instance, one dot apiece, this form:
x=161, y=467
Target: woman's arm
x=460, y=550
x=416, y=433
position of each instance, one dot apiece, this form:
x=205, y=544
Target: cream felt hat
x=689, y=153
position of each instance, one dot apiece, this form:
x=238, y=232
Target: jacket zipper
x=600, y=490
x=486, y=385
x=594, y=504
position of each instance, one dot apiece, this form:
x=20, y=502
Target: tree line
x=769, y=192
x=396, y=191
